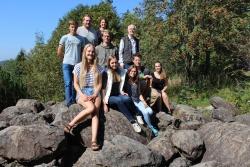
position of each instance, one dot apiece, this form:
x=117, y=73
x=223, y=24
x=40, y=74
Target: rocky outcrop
x=187, y=113
x=31, y=136
x=189, y=144
x=244, y=119
x=31, y=144
x=121, y=151
x=163, y=145
x=218, y=102
x=226, y=143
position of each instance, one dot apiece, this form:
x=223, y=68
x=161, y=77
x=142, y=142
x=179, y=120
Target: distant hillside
x=3, y=62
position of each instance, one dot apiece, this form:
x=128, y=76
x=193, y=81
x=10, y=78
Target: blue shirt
x=72, y=48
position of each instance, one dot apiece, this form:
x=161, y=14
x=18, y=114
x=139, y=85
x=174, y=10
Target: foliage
x=209, y=39
x=205, y=42
x=44, y=76
x=199, y=97
x=12, y=86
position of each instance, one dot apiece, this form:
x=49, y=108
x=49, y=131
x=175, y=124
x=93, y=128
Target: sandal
x=68, y=129
x=95, y=146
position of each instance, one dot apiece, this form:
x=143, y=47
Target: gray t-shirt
x=89, y=34
x=72, y=48
x=103, y=52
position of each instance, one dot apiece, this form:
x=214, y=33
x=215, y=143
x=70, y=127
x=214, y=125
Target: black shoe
x=177, y=123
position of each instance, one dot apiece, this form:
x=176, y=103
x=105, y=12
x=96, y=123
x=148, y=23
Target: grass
x=199, y=97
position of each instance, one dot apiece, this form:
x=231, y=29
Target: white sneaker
x=139, y=119
x=136, y=127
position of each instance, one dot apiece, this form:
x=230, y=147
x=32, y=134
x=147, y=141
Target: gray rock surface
x=244, y=119
x=189, y=143
x=180, y=162
x=163, y=146
x=223, y=115
x=31, y=144
x=226, y=143
x=187, y=113
x=207, y=164
x=120, y=152
x=32, y=104
x=218, y=102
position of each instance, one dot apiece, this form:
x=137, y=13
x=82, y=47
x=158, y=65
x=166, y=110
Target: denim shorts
x=88, y=90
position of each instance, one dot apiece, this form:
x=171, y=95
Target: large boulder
x=20, y=116
x=32, y=104
x=226, y=143
x=187, y=113
x=189, y=143
x=223, y=115
x=121, y=151
x=207, y=164
x=31, y=144
x=111, y=124
x=218, y=102
x=180, y=162
x=162, y=144
x=9, y=113
x=164, y=120
x=244, y=119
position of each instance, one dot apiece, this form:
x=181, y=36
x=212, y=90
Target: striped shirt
x=89, y=78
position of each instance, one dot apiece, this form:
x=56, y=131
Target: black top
x=158, y=84
x=115, y=91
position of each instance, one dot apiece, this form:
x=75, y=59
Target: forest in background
x=203, y=45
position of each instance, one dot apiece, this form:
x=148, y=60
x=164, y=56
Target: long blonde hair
x=116, y=74
x=84, y=67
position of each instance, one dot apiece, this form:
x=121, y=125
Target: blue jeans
x=70, y=93
x=124, y=104
x=146, y=112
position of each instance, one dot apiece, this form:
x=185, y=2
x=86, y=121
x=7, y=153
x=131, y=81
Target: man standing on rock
x=87, y=31
x=70, y=49
x=129, y=46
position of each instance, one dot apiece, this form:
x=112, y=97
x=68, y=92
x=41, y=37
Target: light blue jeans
x=87, y=90
x=146, y=112
x=70, y=93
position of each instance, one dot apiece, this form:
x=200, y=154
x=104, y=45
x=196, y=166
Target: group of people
x=97, y=74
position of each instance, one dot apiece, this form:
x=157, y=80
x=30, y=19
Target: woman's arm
x=99, y=86
x=166, y=85
x=108, y=87
x=78, y=89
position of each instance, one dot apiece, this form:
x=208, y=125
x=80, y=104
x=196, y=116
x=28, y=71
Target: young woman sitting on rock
x=159, y=82
x=132, y=87
x=115, y=97
x=87, y=82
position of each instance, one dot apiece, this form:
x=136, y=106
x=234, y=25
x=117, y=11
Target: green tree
x=209, y=39
x=44, y=75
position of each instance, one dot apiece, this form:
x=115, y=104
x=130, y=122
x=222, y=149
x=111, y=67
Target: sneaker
x=139, y=119
x=136, y=127
x=154, y=130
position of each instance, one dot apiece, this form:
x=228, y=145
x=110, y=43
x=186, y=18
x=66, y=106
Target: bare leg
x=95, y=119
x=89, y=109
x=166, y=100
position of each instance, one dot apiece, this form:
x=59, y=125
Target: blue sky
x=21, y=19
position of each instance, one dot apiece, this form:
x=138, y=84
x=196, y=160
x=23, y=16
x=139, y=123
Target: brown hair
x=102, y=18
x=137, y=55
x=136, y=78
x=73, y=22
x=163, y=74
x=116, y=75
